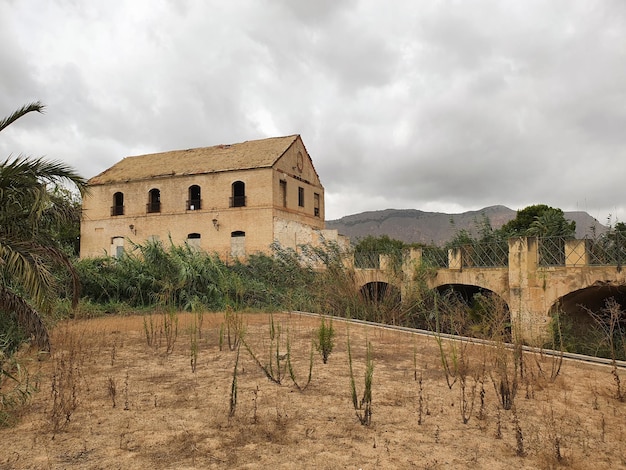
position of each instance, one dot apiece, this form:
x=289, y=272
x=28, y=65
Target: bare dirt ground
x=133, y=406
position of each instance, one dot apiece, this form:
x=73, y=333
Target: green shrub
x=325, y=339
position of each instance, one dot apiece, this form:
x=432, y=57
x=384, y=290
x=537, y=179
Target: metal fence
x=434, y=257
x=375, y=259
x=485, y=255
x=606, y=250
x=551, y=251
x=367, y=260
x=609, y=249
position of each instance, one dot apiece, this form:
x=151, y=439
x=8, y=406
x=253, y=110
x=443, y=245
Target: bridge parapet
x=531, y=275
x=538, y=272
x=608, y=250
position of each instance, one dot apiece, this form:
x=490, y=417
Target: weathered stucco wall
x=530, y=291
x=267, y=199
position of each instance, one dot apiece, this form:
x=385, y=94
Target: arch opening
x=154, y=201
x=193, y=240
x=238, y=198
x=118, y=204
x=582, y=314
x=471, y=310
x=238, y=244
x=380, y=292
x=194, y=201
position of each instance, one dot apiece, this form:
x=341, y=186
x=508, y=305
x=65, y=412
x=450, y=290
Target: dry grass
x=166, y=416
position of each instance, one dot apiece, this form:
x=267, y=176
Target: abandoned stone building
x=232, y=200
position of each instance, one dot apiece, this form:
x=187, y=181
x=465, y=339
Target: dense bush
x=183, y=278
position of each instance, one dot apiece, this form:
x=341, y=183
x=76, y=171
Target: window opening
x=238, y=198
x=238, y=244
x=193, y=240
x=154, y=201
x=194, y=203
x=300, y=196
x=316, y=204
x=118, y=204
x=117, y=247
x=283, y=192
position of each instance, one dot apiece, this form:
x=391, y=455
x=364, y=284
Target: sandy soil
x=133, y=406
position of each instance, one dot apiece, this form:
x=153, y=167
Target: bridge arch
x=466, y=291
x=575, y=307
x=475, y=316
x=380, y=291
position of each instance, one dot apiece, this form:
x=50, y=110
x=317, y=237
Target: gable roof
x=246, y=155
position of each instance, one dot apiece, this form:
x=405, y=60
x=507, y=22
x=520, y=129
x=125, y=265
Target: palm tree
x=552, y=223
x=29, y=253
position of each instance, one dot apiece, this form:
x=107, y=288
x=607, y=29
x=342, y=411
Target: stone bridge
x=534, y=277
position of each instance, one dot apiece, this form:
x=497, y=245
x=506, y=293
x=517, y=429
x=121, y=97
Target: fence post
x=455, y=262
x=576, y=253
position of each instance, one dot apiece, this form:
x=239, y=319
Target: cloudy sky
x=438, y=105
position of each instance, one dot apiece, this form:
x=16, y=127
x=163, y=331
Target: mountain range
x=415, y=226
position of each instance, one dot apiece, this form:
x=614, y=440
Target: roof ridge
x=258, y=153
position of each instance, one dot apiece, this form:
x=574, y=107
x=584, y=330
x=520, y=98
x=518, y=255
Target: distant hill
x=415, y=226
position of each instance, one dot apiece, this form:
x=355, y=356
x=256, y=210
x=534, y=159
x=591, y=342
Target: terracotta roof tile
x=250, y=154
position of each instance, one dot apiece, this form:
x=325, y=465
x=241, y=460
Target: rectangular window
x=283, y=192
x=316, y=204
x=300, y=196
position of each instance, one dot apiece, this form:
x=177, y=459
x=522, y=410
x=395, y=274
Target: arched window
x=238, y=244
x=194, y=201
x=193, y=240
x=118, y=204
x=117, y=247
x=154, y=201
x=238, y=198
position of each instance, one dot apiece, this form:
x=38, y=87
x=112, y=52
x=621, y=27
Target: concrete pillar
x=576, y=253
x=529, y=320
x=410, y=263
x=455, y=262
x=348, y=261
x=384, y=262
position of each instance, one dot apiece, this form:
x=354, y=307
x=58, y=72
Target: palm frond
x=27, y=265
x=34, y=106
x=19, y=173
x=27, y=317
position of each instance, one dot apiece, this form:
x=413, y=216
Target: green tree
x=381, y=244
x=524, y=217
x=368, y=249
x=539, y=220
x=65, y=229
x=552, y=223
x=29, y=251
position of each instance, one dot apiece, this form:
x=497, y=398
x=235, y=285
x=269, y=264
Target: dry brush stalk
x=291, y=370
x=233, y=388
x=611, y=320
x=275, y=369
x=362, y=407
